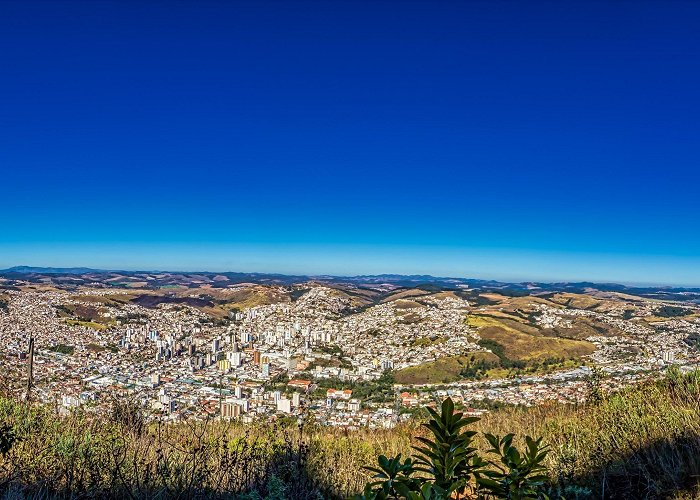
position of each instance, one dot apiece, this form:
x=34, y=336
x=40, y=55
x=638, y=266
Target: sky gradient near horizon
x=507, y=140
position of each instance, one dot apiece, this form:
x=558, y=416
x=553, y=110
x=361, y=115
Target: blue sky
x=514, y=140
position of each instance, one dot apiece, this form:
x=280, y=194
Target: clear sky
x=508, y=140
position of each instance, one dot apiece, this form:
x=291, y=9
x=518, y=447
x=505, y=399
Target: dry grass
x=441, y=371
x=404, y=294
x=86, y=324
x=530, y=347
x=526, y=342
x=577, y=301
x=641, y=443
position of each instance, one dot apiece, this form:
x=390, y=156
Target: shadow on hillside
x=284, y=477
x=664, y=469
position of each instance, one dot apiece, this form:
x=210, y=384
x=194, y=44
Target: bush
x=448, y=466
x=7, y=438
x=519, y=475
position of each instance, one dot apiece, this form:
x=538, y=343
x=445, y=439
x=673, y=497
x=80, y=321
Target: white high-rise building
x=284, y=405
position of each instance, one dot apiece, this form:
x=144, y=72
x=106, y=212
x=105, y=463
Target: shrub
x=7, y=438
x=448, y=466
x=518, y=475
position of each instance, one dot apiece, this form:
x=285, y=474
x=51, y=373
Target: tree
x=595, y=385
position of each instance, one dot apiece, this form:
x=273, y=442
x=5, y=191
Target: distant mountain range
x=77, y=276
x=51, y=270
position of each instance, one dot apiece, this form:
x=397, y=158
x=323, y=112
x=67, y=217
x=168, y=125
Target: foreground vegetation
x=446, y=465
x=643, y=442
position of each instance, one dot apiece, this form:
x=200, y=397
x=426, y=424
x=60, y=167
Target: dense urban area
x=346, y=354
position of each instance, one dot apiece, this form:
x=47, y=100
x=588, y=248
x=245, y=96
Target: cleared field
x=494, y=314
x=523, y=339
x=406, y=304
x=115, y=299
x=576, y=301
x=137, y=284
x=521, y=346
x=501, y=320
x=404, y=294
x=441, y=371
x=427, y=341
x=444, y=295
x=87, y=324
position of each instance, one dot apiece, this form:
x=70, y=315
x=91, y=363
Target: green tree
x=595, y=385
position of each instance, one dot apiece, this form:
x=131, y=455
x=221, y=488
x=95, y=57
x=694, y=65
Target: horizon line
x=350, y=276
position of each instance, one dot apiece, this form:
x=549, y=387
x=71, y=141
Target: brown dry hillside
x=443, y=370
x=521, y=346
x=582, y=328
x=589, y=302
x=114, y=300
x=405, y=294
x=526, y=342
x=224, y=300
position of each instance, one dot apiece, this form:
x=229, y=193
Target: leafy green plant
x=276, y=489
x=448, y=466
x=449, y=459
x=443, y=466
x=392, y=479
x=518, y=475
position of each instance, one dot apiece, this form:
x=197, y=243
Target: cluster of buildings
x=391, y=335
x=295, y=359
x=638, y=342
